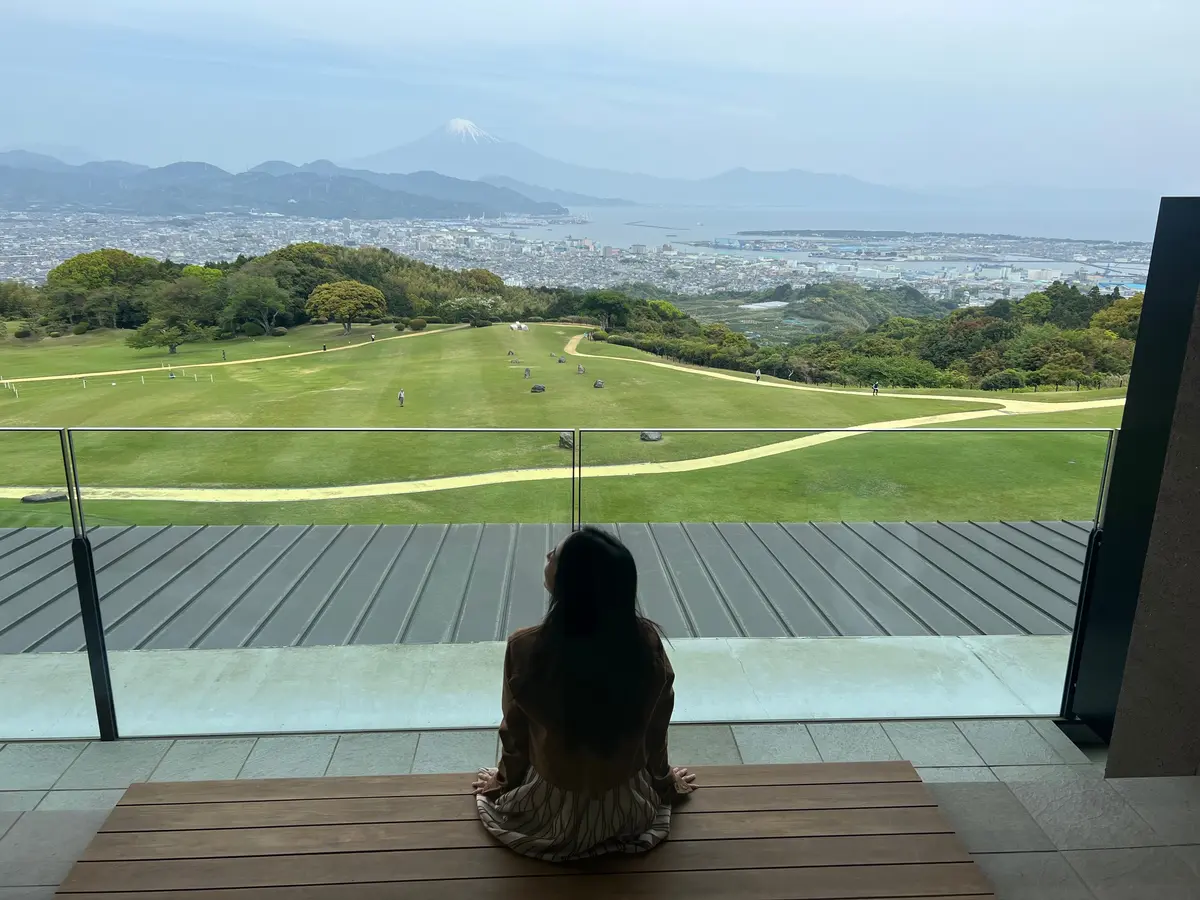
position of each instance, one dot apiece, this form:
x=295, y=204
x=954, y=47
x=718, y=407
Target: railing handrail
x=918, y=429
x=365, y=429
x=350, y=429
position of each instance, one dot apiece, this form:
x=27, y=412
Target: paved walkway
x=1003, y=406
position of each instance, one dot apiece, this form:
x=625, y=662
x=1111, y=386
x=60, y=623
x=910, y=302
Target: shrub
x=80, y=328
x=417, y=324
x=320, y=320
x=480, y=323
x=399, y=326
x=23, y=333
x=278, y=331
x=493, y=319
x=432, y=320
x=579, y=320
x=599, y=335
x=402, y=320
x=223, y=336
x=55, y=334
x=374, y=322
x=535, y=319
x=1004, y=380
x=253, y=329
x=43, y=321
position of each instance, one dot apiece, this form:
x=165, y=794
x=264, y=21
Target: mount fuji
x=464, y=150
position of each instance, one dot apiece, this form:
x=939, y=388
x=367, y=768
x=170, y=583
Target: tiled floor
x=1033, y=808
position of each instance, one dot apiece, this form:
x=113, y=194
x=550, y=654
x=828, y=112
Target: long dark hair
x=594, y=646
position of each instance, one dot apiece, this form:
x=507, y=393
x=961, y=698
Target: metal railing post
x=89, y=599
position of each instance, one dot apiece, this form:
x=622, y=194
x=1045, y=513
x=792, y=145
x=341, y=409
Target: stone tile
x=1076, y=808
x=1096, y=753
x=1190, y=855
x=204, y=760
x=456, y=751
x=43, y=892
x=775, y=744
x=953, y=774
x=1135, y=874
x=1032, y=876
x=932, y=744
x=20, y=801
x=1171, y=806
x=112, y=765
x=381, y=753
x=1009, y=742
x=36, y=766
x=1070, y=752
x=853, y=742
x=702, y=745
x=989, y=819
x=57, y=801
x=290, y=756
x=7, y=821
x=42, y=846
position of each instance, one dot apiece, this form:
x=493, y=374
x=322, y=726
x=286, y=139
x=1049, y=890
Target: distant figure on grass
x=400, y=397
x=579, y=369
x=527, y=375
x=587, y=699
x=758, y=374
x=171, y=375
x=875, y=389
x=222, y=356
x=372, y=338
x=510, y=353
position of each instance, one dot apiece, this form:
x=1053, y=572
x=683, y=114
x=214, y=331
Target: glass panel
x=312, y=580
x=45, y=683
x=937, y=561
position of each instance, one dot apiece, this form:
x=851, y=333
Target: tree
x=1034, y=308
x=1003, y=380
x=157, y=333
x=103, y=268
x=1122, y=317
x=188, y=300
x=254, y=298
x=346, y=301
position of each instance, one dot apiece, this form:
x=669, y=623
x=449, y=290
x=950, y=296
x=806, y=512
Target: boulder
x=651, y=436
x=538, y=389
x=566, y=440
x=48, y=497
x=599, y=383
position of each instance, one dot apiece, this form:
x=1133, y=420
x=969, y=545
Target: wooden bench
x=852, y=830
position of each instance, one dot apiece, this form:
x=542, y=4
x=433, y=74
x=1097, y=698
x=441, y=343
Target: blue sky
x=921, y=92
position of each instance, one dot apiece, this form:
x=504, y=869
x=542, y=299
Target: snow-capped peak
x=466, y=130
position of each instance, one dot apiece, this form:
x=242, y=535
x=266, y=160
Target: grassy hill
x=464, y=379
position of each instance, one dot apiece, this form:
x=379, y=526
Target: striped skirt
x=545, y=822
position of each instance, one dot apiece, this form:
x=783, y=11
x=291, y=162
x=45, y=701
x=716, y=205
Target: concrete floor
x=1034, y=809
x=418, y=686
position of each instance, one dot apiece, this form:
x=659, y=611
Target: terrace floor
x=1033, y=809
x=258, y=586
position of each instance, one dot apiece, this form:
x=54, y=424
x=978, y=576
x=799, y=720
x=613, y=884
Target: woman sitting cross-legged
x=587, y=700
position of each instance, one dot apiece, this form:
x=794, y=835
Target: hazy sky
x=917, y=92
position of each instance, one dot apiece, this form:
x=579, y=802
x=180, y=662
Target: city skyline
x=1079, y=95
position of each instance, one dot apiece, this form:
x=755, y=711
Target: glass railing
x=306, y=579
x=309, y=579
x=43, y=693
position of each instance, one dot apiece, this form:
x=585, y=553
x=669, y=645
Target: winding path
x=236, y=362
x=514, y=476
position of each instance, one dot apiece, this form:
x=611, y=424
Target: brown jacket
x=526, y=739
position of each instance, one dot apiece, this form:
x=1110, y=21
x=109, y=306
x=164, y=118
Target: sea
x=623, y=226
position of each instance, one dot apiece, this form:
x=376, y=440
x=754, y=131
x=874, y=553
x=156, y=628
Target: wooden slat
x=379, y=892
x=499, y=862
x=219, y=843
x=434, y=785
x=818, y=883
x=199, y=816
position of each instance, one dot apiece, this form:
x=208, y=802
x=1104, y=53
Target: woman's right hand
x=685, y=781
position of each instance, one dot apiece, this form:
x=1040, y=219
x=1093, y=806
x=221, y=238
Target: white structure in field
x=517, y=326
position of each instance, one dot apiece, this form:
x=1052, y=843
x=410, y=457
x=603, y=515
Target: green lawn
x=464, y=379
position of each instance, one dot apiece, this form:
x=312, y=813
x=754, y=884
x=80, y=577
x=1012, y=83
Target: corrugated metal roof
x=187, y=586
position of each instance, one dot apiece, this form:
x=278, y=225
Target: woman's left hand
x=485, y=781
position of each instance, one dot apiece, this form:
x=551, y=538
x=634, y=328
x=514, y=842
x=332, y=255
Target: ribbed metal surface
x=185, y=586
